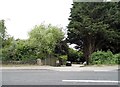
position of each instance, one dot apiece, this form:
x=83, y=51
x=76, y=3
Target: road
x=51, y=77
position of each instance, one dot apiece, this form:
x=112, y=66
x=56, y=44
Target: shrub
x=102, y=57
x=29, y=60
x=63, y=59
x=74, y=55
x=117, y=58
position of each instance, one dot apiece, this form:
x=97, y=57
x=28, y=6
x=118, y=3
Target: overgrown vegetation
x=63, y=59
x=41, y=44
x=75, y=56
x=102, y=57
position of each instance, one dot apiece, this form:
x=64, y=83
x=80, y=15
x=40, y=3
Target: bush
x=117, y=58
x=63, y=59
x=29, y=60
x=75, y=56
x=102, y=57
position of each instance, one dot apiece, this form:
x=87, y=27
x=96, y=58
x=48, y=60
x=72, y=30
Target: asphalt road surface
x=51, y=77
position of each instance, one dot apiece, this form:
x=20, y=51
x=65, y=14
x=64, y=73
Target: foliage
x=102, y=57
x=5, y=41
x=95, y=26
x=18, y=50
x=3, y=34
x=2, y=29
x=117, y=58
x=63, y=59
x=8, y=50
x=24, y=51
x=75, y=56
x=42, y=42
x=61, y=48
x=45, y=38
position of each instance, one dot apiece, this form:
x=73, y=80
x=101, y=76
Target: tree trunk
x=88, y=49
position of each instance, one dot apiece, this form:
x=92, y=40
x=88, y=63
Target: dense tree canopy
x=94, y=26
x=62, y=48
x=43, y=42
x=45, y=38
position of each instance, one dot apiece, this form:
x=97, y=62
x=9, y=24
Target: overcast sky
x=22, y=15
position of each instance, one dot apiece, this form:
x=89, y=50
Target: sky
x=22, y=15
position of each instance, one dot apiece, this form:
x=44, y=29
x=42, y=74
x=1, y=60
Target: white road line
x=102, y=70
x=92, y=81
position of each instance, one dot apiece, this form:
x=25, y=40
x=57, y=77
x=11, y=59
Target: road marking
x=92, y=81
x=102, y=70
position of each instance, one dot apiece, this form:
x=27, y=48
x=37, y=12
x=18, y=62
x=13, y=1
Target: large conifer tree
x=94, y=26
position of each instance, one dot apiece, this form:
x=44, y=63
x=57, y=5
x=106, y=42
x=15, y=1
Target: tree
x=2, y=29
x=61, y=48
x=75, y=56
x=2, y=32
x=25, y=52
x=8, y=49
x=45, y=38
x=2, y=36
x=94, y=25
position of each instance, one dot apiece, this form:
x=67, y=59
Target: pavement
x=74, y=67
x=49, y=75
x=52, y=77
